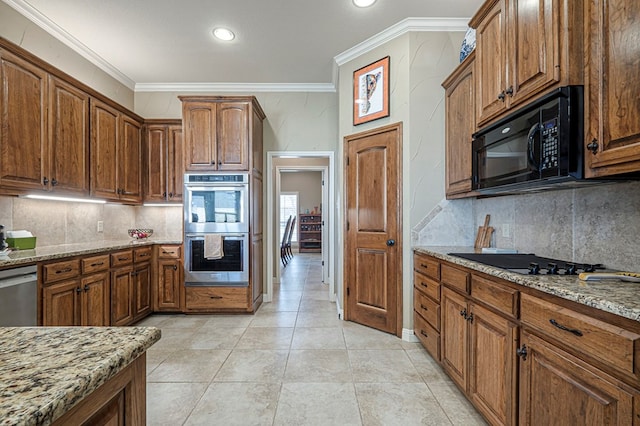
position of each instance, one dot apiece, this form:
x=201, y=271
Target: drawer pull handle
x=215, y=297
x=423, y=284
x=423, y=307
x=97, y=264
x=423, y=333
x=122, y=259
x=144, y=255
x=167, y=252
x=562, y=327
x=62, y=271
x=424, y=265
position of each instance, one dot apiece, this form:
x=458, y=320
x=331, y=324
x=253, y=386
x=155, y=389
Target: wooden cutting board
x=483, y=237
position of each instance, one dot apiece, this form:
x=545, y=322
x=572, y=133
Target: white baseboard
x=409, y=336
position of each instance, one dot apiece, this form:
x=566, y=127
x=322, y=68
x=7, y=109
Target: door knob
x=391, y=243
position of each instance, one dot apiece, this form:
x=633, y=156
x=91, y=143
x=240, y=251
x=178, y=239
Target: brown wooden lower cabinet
x=559, y=389
x=169, y=279
x=121, y=296
x=216, y=298
x=454, y=337
x=142, y=290
x=94, y=300
x=119, y=401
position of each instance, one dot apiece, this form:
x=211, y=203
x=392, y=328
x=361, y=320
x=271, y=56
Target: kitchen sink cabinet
x=524, y=48
x=164, y=165
x=219, y=132
x=131, y=292
x=169, y=285
x=612, y=110
x=116, y=152
x=460, y=124
x=60, y=304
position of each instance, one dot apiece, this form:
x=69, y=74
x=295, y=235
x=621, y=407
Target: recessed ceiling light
x=363, y=3
x=224, y=34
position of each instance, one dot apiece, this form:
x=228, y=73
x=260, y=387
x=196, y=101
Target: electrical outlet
x=100, y=226
x=506, y=231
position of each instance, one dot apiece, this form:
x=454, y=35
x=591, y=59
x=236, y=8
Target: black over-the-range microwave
x=537, y=146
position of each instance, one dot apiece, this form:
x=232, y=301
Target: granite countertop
x=27, y=257
x=617, y=297
x=45, y=371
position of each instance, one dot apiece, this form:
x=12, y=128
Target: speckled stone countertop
x=26, y=257
x=45, y=371
x=617, y=297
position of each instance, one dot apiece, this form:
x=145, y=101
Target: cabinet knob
x=78, y=290
x=593, y=146
x=175, y=268
x=522, y=352
x=171, y=195
x=470, y=318
x=164, y=194
x=509, y=91
x=86, y=287
x=463, y=313
x=54, y=181
x=501, y=96
x=45, y=181
x=391, y=243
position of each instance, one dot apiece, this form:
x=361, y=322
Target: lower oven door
x=231, y=269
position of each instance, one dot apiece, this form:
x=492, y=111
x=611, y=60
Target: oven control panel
x=217, y=178
x=549, y=145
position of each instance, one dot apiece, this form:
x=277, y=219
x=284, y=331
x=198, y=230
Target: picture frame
x=371, y=92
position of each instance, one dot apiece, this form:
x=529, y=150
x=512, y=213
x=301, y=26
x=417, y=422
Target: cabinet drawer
x=495, y=295
x=614, y=345
x=426, y=285
x=120, y=258
x=60, y=270
x=217, y=298
x=427, y=335
x=169, y=252
x=427, y=308
x=427, y=266
x=142, y=254
x=95, y=264
x=455, y=278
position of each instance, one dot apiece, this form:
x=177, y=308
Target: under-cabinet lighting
x=162, y=205
x=224, y=34
x=57, y=198
x=363, y=3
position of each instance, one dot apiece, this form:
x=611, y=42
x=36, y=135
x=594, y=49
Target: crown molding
x=235, y=87
x=402, y=27
x=54, y=30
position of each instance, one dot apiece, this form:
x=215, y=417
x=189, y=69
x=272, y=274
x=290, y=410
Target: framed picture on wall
x=371, y=92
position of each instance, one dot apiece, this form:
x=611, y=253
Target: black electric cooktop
x=529, y=263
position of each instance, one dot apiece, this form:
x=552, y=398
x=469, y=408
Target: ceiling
x=296, y=43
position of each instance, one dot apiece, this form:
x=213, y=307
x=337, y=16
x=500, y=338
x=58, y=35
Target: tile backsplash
x=596, y=224
x=58, y=222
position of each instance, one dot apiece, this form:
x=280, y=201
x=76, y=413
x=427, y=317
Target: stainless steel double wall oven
x=216, y=203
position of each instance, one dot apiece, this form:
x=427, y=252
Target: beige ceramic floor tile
x=317, y=404
x=360, y=337
x=263, y=366
x=455, y=405
x=186, y=321
x=155, y=357
x=189, y=366
x=274, y=319
x=228, y=321
x=266, y=338
x=319, y=319
x=318, y=366
x=169, y=404
x=382, y=365
x=173, y=339
x=238, y=404
x=280, y=306
x=427, y=367
x=317, y=306
x=403, y=404
x=318, y=338
x=215, y=338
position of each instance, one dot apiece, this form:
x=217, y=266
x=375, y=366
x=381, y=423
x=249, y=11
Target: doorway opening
x=281, y=165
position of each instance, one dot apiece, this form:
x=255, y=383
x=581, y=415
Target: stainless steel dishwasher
x=18, y=296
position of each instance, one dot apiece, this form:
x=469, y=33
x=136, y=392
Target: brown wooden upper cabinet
x=116, y=152
x=460, y=124
x=164, y=165
x=44, y=130
x=218, y=132
x=612, y=109
x=525, y=48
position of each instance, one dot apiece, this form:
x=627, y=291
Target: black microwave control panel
x=549, y=145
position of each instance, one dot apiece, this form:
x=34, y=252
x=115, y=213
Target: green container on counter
x=25, y=243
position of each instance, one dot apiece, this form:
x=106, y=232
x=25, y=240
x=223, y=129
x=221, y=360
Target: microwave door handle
x=531, y=147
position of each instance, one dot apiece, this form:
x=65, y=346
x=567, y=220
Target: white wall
x=308, y=185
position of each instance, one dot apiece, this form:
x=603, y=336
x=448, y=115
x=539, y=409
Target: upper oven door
x=216, y=208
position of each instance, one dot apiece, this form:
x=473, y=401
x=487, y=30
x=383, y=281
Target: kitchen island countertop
x=617, y=297
x=45, y=371
x=59, y=251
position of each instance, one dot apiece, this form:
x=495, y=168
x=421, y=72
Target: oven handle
x=223, y=236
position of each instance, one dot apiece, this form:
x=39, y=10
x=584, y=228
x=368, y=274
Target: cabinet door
x=256, y=270
x=122, y=296
x=60, y=304
x=169, y=273
x=493, y=372
x=95, y=300
x=156, y=149
x=454, y=334
x=129, y=160
x=460, y=125
x=23, y=123
x=104, y=137
x=142, y=290
x=491, y=80
x=199, y=124
x=175, y=168
x=68, y=138
x=233, y=136
x=533, y=47
x=558, y=389
x=611, y=98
